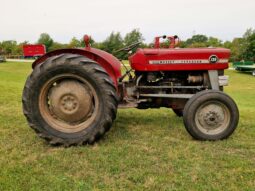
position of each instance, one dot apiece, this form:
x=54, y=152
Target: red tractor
x=72, y=95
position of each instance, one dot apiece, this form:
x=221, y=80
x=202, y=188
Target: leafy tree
x=237, y=49
x=113, y=43
x=227, y=44
x=46, y=40
x=98, y=45
x=214, y=42
x=182, y=44
x=74, y=43
x=197, y=45
x=9, y=47
x=249, y=52
x=12, y=47
x=242, y=48
x=133, y=36
x=19, y=49
x=249, y=45
x=198, y=40
x=56, y=46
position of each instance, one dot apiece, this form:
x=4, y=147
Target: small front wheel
x=211, y=115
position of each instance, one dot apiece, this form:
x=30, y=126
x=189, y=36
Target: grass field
x=144, y=150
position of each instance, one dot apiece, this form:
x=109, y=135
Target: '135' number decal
x=213, y=59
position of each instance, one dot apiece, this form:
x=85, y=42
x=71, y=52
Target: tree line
x=242, y=48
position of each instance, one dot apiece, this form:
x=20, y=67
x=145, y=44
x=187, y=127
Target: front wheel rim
x=212, y=118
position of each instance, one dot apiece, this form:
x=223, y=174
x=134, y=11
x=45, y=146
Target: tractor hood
x=180, y=59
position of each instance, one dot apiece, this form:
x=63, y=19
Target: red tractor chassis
x=79, y=90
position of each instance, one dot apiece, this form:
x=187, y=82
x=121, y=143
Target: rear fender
x=110, y=63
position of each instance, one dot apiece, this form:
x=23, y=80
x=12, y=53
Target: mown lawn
x=144, y=150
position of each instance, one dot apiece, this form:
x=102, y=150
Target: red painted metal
x=140, y=60
x=157, y=42
x=146, y=59
x=174, y=40
x=33, y=50
x=111, y=64
x=86, y=40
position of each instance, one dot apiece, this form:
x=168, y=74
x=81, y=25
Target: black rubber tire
x=92, y=72
x=178, y=112
x=196, y=101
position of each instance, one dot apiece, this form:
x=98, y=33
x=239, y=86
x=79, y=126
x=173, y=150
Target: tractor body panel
x=180, y=59
x=110, y=63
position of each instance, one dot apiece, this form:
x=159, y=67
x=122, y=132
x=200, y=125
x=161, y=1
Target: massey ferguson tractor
x=72, y=95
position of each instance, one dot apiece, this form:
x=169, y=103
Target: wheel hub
x=70, y=101
x=212, y=117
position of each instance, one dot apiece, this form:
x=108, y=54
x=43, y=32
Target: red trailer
x=35, y=51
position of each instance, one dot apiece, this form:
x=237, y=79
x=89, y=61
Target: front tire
x=69, y=100
x=210, y=115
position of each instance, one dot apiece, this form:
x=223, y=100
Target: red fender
x=110, y=63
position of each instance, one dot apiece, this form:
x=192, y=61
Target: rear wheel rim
x=68, y=103
x=212, y=117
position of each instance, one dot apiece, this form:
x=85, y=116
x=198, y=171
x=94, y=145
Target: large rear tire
x=210, y=115
x=69, y=100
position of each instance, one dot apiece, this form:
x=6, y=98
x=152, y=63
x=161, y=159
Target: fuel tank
x=172, y=59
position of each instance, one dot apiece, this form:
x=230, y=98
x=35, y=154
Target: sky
x=22, y=20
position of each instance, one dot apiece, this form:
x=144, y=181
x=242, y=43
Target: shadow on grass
x=137, y=124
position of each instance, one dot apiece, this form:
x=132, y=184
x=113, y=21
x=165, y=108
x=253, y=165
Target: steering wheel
x=129, y=47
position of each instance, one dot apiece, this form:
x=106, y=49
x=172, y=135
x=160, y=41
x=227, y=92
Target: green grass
x=144, y=150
